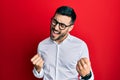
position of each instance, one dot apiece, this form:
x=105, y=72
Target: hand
x=83, y=67
x=37, y=62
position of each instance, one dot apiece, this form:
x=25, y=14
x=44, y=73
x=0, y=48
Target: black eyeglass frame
x=62, y=26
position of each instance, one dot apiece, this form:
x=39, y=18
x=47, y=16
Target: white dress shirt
x=60, y=59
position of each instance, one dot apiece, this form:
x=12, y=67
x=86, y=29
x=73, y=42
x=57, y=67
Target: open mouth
x=55, y=33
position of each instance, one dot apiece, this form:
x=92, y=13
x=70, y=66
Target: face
x=60, y=27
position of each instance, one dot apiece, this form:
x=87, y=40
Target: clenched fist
x=83, y=66
x=37, y=62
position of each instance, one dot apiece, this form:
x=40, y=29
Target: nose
x=57, y=27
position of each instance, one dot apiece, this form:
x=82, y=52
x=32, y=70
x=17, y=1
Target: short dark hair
x=67, y=11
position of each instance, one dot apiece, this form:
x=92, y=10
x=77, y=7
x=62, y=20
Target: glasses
x=62, y=26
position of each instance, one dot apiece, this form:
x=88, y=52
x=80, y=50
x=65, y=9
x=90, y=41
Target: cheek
x=65, y=31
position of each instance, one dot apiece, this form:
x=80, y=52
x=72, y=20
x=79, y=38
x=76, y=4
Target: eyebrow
x=60, y=22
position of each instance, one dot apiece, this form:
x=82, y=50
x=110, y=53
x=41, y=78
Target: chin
x=53, y=38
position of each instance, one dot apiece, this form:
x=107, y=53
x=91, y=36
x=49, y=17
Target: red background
x=24, y=23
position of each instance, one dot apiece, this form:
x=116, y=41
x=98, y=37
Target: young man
x=62, y=56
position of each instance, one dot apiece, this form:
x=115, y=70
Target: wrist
x=88, y=76
x=38, y=69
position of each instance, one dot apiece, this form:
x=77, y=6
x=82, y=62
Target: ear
x=70, y=28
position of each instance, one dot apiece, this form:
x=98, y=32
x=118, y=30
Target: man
x=62, y=56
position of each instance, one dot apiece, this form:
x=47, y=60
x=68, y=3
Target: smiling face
x=60, y=27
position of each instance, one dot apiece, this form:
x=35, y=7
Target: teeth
x=56, y=32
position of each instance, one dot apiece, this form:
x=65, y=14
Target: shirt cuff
x=38, y=75
x=91, y=78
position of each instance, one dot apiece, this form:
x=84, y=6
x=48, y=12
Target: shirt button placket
x=57, y=59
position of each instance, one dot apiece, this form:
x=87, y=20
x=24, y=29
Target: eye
x=54, y=22
x=63, y=26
